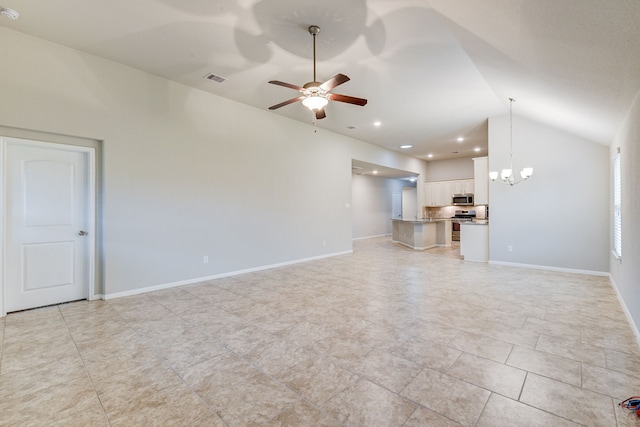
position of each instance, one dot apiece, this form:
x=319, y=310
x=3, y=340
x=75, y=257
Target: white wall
x=184, y=174
x=559, y=217
x=626, y=274
x=371, y=199
x=450, y=169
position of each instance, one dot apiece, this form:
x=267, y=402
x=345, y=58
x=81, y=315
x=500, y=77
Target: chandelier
x=506, y=175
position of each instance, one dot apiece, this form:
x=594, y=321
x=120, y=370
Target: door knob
x=82, y=233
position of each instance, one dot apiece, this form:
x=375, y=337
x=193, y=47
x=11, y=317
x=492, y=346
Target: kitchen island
x=422, y=234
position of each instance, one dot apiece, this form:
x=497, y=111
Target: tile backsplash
x=449, y=211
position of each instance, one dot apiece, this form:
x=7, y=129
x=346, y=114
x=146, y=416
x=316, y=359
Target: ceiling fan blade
x=289, y=85
x=347, y=99
x=320, y=114
x=290, y=101
x=334, y=81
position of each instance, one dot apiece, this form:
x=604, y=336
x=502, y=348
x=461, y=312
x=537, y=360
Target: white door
x=48, y=203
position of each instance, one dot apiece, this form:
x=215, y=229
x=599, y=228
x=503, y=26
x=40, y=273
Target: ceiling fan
x=316, y=95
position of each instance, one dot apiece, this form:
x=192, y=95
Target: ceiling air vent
x=352, y=127
x=215, y=78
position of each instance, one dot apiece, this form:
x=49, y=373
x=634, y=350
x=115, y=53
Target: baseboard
x=415, y=248
x=627, y=313
x=217, y=276
x=371, y=237
x=550, y=268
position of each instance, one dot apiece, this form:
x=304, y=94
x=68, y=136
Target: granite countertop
x=476, y=222
x=458, y=220
x=422, y=220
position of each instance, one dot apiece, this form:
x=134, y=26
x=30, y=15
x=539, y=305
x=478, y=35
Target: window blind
x=617, y=199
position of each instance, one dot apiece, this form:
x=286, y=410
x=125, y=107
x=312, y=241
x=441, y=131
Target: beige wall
x=626, y=274
x=559, y=218
x=450, y=169
x=371, y=204
x=187, y=173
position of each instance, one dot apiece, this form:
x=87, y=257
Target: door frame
x=90, y=152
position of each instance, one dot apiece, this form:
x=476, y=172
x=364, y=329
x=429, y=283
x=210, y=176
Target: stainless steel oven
x=455, y=231
x=457, y=218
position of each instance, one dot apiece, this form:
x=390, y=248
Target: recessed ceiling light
x=375, y=172
x=377, y=123
x=9, y=13
x=476, y=149
x=460, y=139
x=406, y=146
x=429, y=155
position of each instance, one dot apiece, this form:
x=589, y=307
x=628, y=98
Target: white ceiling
x=363, y=168
x=432, y=70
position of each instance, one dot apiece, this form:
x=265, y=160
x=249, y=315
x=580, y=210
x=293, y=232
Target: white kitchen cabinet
x=435, y=193
x=441, y=193
x=438, y=193
x=463, y=186
x=456, y=187
x=481, y=174
x=469, y=185
x=427, y=194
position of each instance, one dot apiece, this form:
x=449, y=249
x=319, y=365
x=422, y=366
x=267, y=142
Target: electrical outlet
x=509, y=248
x=205, y=260
x=324, y=243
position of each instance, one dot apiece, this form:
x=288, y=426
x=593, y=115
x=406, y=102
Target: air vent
x=215, y=78
x=351, y=127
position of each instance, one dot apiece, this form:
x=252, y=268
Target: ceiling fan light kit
x=315, y=95
x=315, y=102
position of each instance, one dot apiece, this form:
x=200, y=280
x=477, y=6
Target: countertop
x=423, y=220
x=475, y=222
x=458, y=220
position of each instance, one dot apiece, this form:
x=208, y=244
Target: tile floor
x=383, y=337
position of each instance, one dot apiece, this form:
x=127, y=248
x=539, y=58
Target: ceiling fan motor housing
x=313, y=85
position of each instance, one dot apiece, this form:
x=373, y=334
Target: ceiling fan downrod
x=314, y=30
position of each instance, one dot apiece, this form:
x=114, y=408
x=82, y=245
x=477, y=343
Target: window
x=617, y=198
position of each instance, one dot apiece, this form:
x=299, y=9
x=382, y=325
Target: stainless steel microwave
x=462, y=200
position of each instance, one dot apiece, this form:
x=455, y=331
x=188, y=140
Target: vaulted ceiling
x=432, y=70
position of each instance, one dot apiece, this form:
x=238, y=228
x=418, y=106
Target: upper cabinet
x=439, y=193
x=433, y=193
x=463, y=186
x=481, y=175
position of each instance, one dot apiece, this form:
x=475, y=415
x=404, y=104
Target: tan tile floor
x=383, y=337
